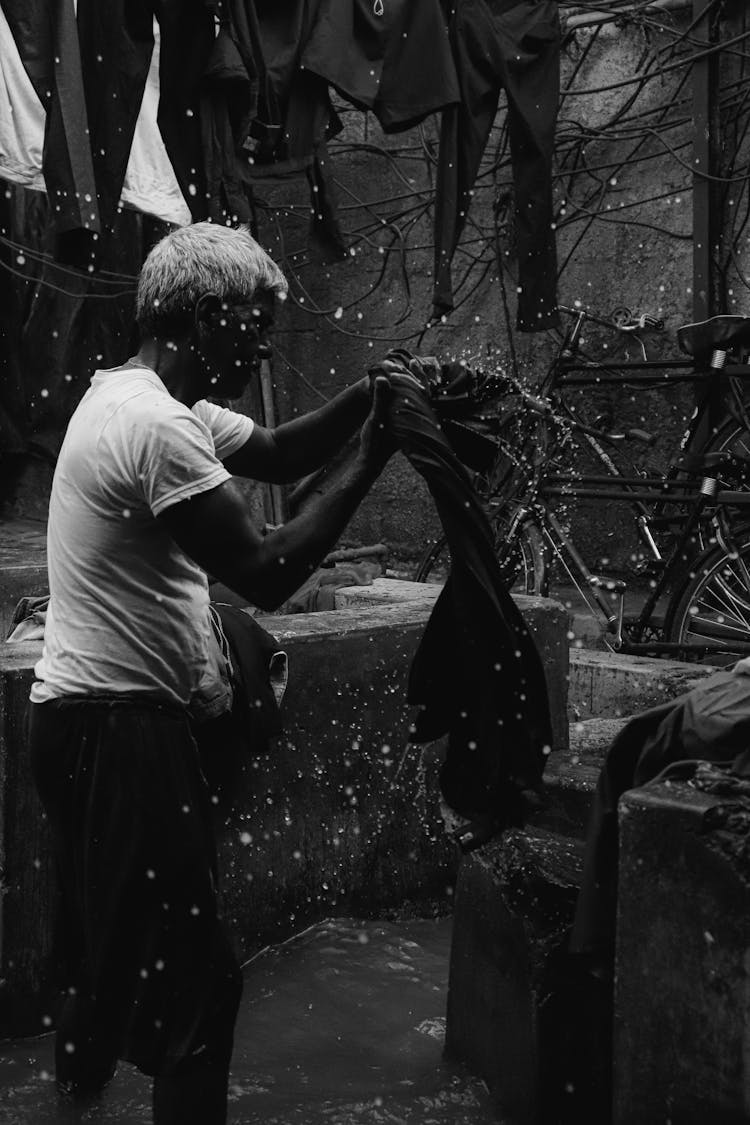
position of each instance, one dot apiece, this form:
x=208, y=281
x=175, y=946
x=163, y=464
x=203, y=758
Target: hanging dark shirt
x=512, y=46
x=116, y=45
x=389, y=56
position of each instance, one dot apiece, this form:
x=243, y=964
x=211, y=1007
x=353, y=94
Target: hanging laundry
x=389, y=56
x=150, y=182
x=149, y=185
x=21, y=117
x=117, y=42
x=294, y=118
x=46, y=40
x=510, y=45
x=477, y=675
x=392, y=57
x=228, y=103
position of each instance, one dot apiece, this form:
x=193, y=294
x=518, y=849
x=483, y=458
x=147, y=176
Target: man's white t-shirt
x=128, y=611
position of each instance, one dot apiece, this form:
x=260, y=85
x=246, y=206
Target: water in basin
x=342, y=1025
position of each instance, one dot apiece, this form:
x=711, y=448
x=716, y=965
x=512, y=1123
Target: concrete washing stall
x=342, y=816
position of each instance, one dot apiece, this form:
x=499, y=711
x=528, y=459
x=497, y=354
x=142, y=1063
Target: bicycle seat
x=722, y=332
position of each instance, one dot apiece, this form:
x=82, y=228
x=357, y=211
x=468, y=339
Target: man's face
x=236, y=341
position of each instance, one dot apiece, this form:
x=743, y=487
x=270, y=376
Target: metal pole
x=706, y=221
x=705, y=224
x=276, y=492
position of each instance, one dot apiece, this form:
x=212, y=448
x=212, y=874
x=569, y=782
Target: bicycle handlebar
x=632, y=435
x=621, y=319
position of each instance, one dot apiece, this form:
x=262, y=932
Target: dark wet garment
x=477, y=675
x=512, y=46
x=154, y=978
x=710, y=723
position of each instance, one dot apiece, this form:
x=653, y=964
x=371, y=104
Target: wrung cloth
x=477, y=675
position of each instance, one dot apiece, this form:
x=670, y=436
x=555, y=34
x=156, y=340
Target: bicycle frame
x=700, y=499
x=716, y=376
x=605, y=595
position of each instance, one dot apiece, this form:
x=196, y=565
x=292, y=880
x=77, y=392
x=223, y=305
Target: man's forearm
x=309, y=442
x=291, y=553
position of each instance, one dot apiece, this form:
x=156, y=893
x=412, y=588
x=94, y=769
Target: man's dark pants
x=148, y=972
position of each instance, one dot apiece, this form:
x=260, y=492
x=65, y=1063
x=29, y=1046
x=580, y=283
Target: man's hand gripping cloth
x=477, y=675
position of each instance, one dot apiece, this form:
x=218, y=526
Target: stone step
x=611, y=685
x=571, y=776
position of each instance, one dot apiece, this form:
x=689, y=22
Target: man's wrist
x=365, y=386
x=366, y=468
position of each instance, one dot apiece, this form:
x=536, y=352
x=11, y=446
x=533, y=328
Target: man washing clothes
x=142, y=507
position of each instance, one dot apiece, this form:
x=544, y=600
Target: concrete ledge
x=682, y=994
x=23, y=565
x=546, y=618
x=571, y=776
x=387, y=591
x=513, y=901
x=609, y=685
x=341, y=815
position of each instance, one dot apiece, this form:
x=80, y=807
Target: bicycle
x=689, y=519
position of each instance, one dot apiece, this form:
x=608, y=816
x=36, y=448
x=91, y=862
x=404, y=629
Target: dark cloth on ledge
x=477, y=675
x=710, y=723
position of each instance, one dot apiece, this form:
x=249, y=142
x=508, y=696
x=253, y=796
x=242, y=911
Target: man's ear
x=207, y=309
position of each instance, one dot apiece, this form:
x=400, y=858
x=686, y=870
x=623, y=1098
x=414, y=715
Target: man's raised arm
x=302, y=445
x=214, y=528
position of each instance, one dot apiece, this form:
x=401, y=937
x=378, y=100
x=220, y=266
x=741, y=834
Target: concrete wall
x=624, y=225
x=623, y=203
x=340, y=816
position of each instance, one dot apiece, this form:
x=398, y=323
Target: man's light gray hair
x=195, y=260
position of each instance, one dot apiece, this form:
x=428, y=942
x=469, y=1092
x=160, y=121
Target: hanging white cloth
x=150, y=183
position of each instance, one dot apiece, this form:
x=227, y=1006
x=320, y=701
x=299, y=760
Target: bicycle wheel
x=712, y=607
x=523, y=564
x=435, y=563
x=733, y=437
